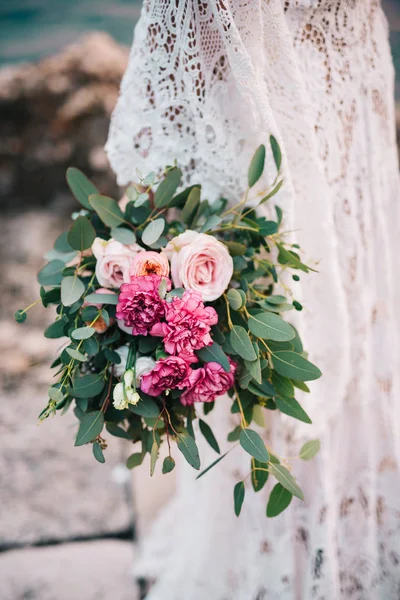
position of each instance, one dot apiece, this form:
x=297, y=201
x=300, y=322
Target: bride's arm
x=182, y=96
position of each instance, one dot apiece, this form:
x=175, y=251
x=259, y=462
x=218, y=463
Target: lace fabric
x=207, y=82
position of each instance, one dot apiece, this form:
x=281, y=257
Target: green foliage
x=208, y=434
x=167, y=188
x=279, y=500
x=107, y=209
x=254, y=445
x=188, y=447
x=294, y=366
x=310, y=449
x=90, y=427
x=81, y=235
x=153, y=231
x=256, y=166
x=81, y=187
x=238, y=497
x=168, y=465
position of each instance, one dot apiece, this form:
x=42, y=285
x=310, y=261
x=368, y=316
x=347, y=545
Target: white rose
x=200, y=262
x=120, y=368
x=114, y=261
x=143, y=365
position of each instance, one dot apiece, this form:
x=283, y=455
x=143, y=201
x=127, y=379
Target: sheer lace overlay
x=207, y=82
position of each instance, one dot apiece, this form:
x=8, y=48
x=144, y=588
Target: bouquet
x=165, y=303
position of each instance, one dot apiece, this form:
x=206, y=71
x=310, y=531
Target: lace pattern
x=208, y=81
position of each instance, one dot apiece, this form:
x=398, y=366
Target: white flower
x=143, y=365
x=120, y=401
x=120, y=368
x=124, y=394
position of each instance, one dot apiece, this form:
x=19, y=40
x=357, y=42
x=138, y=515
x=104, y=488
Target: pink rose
x=150, y=263
x=200, y=262
x=113, y=261
x=100, y=326
x=208, y=382
x=188, y=325
x=139, y=304
x=168, y=374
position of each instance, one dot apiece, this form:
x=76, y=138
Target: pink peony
x=208, y=382
x=150, y=263
x=200, y=262
x=139, y=304
x=168, y=374
x=188, y=325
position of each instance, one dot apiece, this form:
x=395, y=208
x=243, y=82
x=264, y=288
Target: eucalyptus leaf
x=279, y=500
x=294, y=366
x=51, y=274
x=272, y=193
x=276, y=151
x=283, y=386
x=212, y=465
x=153, y=457
x=146, y=407
x=188, y=447
x=270, y=326
x=235, y=299
x=212, y=222
x=310, y=449
x=254, y=368
x=80, y=186
x=256, y=166
x=191, y=205
x=90, y=427
x=252, y=443
x=107, y=209
x=101, y=299
x=98, y=452
x=286, y=479
x=259, y=474
x=153, y=231
x=72, y=288
x=241, y=343
x=235, y=248
x=56, y=330
x=291, y=407
x=167, y=188
x=134, y=460
x=117, y=431
x=76, y=354
x=83, y=333
x=214, y=353
x=88, y=386
x=238, y=497
x=208, y=434
x=168, y=464
x=124, y=235
x=82, y=234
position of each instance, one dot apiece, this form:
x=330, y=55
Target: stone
x=99, y=570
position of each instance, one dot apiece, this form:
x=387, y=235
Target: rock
x=53, y=114
x=99, y=570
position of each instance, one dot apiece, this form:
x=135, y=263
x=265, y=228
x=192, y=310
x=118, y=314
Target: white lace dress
x=208, y=81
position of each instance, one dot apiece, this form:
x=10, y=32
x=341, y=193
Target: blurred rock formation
x=54, y=114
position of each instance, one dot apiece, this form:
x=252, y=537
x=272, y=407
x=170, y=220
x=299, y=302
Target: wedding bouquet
x=167, y=303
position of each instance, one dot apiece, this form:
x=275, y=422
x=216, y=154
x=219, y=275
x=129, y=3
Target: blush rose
x=114, y=261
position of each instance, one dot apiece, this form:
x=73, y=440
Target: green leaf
x=276, y=151
x=259, y=477
x=214, y=353
x=188, y=447
x=124, y=235
x=265, y=389
x=294, y=366
x=191, y=205
x=102, y=298
x=168, y=465
x=90, y=427
x=55, y=330
x=98, y=452
x=254, y=368
x=82, y=234
x=76, y=354
x=153, y=231
x=83, y=333
x=291, y=407
x=254, y=445
x=134, y=460
x=88, y=386
x=286, y=479
x=256, y=166
x=61, y=244
x=80, y=186
x=287, y=257
x=283, y=386
x=55, y=394
x=310, y=449
x=212, y=465
x=117, y=431
x=241, y=343
x=107, y=209
x=72, y=288
x=272, y=193
x=211, y=223
x=238, y=497
x=235, y=248
x=279, y=500
x=235, y=299
x=301, y=386
x=167, y=188
x=276, y=299
x=270, y=326
x=51, y=274
x=146, y=407
x=153, y=457
x=208, y=434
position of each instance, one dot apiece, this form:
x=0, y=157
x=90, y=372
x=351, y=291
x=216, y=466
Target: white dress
x=207, y=82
